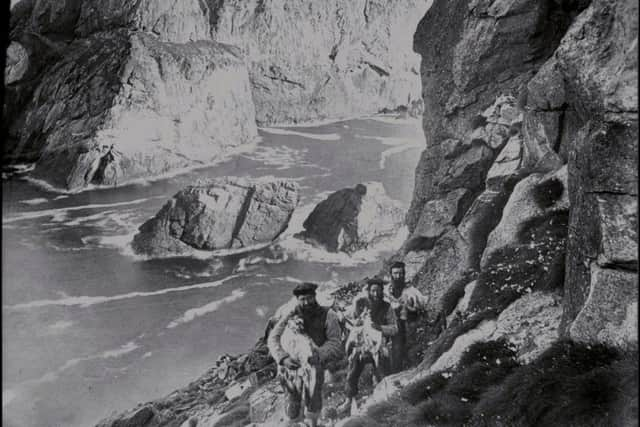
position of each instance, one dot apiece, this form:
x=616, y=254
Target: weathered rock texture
x=519, y=93
x=353, y=218
x=137, y=77
x=227, y=213
x=319, y=59
x=147, y=77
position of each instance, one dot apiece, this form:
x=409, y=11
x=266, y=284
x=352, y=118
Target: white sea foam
x=63, y=211
x=262, y=310
x=59, y=326
x=317, y=136
x=398, y=145
x=36, y=201
x=86, y=301
x=194, y=313
x=396, y=119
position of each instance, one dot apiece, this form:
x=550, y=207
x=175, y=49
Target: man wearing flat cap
x=322, y=326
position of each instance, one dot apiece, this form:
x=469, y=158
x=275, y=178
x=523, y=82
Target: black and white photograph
x=320, y=213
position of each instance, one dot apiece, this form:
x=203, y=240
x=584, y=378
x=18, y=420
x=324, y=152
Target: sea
x=90, y=329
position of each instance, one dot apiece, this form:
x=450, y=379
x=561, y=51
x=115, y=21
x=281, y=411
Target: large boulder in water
x=353, y=218
x=228, y=213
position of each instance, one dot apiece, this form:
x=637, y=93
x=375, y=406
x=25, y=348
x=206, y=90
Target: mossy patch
x=548, y=192
x=570, y=384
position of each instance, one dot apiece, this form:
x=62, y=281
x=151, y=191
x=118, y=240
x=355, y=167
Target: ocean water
x=90, y=329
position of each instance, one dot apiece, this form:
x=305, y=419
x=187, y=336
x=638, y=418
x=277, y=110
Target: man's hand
x=289, y=363
x=376, y=326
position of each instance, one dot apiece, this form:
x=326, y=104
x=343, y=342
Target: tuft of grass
x=421, y=390
x=548, y=192
x=570, y=384
x=478, y=121
x=449, y=335
x=443, y=410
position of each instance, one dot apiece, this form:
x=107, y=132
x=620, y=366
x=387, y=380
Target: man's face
x=397, y=275
x=376, y=293
x=306, y=302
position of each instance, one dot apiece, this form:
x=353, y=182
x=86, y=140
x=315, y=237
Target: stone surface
x=441, y=214
x=522, y=207
x=17, y=63
x=222, y=214
x=618, y=220
x=531, y=324
x=161, y=106
x=323, y=59
x=353, y=218
x=445, y=264
x=267, y=405
x=610, y=312
x=507, y=165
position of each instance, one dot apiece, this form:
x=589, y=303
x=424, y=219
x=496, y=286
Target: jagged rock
x=160, y=106
x=531, y=324
x=267, y=405
x=180, y=22
x=523, y=206
x=440, y=215
x=445, y=264
x=225, y=213
x=353, y=218
x=349, y=58
x=473, y=52
x=507, y=165
x=17, y=63
x=135, y=418
x=610, y=313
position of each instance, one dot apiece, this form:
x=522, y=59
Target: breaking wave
x=86, y=301
x=194, y=313
x=317, y=136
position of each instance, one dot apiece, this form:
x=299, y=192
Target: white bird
x=300, y=348
x=365, y=338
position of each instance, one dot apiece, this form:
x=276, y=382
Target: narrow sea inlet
x=90, y=329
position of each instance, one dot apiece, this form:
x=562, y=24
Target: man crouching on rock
x=312, y=332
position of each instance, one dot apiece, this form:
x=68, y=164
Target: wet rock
x=610, y=313
x=221, y=214
x=353, y=218
x=160, y=106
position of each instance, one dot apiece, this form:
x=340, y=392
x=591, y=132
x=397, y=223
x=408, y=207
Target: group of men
x=393, y=310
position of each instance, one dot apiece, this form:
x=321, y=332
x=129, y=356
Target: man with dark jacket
x=383, y=319
x=322, y=326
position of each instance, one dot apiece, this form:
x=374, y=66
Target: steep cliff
x=310, y=60
x=148, y=78
x=123, y=90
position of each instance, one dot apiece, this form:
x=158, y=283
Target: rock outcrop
x=222, y=214
x=323, y=59
x=123, y=90
x=353, y=218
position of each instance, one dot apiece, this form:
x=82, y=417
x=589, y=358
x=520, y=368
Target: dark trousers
x=296, y=397
x=399, y=349
x=357, y=362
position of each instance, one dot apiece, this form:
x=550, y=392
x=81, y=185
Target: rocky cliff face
x=131, y=90
x=310, y=60
x=147, y=78
x=559, y=79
